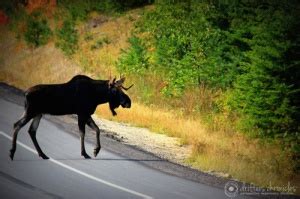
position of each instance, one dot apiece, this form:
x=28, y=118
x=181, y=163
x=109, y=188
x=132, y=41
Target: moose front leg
x=81, y=125
x=91, y=123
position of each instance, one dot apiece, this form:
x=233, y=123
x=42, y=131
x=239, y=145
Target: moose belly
x=60, y=108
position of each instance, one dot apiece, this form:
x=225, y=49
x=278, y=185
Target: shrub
x=134, y=60
x=67, y=38
x=79, y=9
x=38, y=31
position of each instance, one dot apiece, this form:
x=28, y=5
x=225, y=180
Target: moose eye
x=114, y=91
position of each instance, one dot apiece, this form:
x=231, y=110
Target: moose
x=81, y=95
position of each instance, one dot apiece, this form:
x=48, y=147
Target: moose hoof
x=96, y=151
x=44, y=156
x=86, y=156
x=11, y=154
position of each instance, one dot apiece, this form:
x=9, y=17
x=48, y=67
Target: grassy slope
x=245, y=159
x=24, y=67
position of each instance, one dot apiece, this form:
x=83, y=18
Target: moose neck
x=102, y=91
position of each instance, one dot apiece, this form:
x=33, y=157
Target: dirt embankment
x=159, y=144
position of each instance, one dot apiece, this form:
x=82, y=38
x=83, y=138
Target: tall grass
x=243, y=158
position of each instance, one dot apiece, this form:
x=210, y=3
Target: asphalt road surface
x=67, y=175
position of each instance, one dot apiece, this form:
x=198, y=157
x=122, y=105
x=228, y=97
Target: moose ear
x=112, y=82
x=122, y=78
x=119, y=82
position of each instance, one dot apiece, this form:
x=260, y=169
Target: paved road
x=67, y=175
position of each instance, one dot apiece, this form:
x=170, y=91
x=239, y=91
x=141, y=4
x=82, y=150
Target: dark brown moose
x=80, y=96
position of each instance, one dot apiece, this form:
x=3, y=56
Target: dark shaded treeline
x=248, y=49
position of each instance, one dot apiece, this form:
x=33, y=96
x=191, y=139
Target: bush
x=190, y=47
x=79, y=9
x=38, y=31
x=135, y=59
x=76, y=9
x=67, y=38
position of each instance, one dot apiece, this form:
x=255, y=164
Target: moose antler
x=127, y=87
x=119, y=83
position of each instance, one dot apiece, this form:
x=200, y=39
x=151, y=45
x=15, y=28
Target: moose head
x=117, y=95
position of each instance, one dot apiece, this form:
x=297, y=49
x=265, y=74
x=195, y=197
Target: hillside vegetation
x=222, y=77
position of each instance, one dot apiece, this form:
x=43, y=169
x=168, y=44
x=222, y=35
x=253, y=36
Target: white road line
x=80, y=172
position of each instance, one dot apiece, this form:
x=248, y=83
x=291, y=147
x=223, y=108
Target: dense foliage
x=249, y=49
x=80, y=9
x=267, y=86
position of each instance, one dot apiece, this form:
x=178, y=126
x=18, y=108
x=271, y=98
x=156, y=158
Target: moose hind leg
x=17, y=126
x=91, y=123
x=32, y=132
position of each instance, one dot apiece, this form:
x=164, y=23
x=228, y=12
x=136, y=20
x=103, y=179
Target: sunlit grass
x=25, y=67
